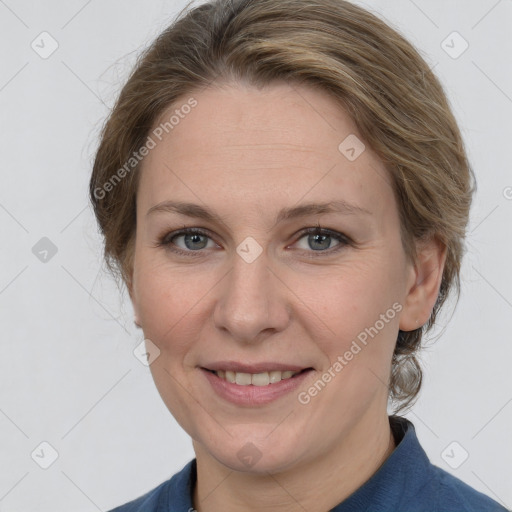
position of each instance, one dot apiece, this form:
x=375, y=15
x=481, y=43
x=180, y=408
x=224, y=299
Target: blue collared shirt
x=406, y=482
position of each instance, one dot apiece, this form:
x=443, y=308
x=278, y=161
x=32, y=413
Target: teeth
x=243, y=379
x=256, y=379
x=260, y=379
x=274, y=376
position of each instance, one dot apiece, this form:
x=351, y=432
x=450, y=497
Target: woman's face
x=254, y=288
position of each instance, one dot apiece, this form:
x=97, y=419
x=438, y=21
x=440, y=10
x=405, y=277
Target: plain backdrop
x=69, y=378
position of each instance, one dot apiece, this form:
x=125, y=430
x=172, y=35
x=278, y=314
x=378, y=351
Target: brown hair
x=377, y=76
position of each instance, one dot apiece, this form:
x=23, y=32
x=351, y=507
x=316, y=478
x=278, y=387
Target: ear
x=129, y=287
x=423, y=285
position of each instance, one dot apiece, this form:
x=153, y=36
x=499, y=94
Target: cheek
x=168, y=309
x=168, y=303
x=354, y=313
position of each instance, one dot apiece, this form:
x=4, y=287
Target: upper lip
x=269, y=366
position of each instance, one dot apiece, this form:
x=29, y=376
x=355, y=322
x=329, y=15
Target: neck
x=334, y=476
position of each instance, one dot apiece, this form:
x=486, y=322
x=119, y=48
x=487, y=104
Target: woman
x=284, y=191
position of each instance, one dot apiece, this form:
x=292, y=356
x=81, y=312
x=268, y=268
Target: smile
x=254, y=389
x=256, y=379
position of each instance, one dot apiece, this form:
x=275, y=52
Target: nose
x=253, y=302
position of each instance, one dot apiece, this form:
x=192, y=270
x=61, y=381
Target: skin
x=246, y=153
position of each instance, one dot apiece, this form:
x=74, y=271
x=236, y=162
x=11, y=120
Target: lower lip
x=254, y=395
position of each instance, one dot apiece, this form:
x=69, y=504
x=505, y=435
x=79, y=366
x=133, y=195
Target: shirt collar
x=399, y=478
x=396, y=481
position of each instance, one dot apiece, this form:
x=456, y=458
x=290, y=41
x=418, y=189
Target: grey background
x=68, y=374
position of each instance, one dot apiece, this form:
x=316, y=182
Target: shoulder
x=455, y=495
x=417, y=485
x=175, y=492
x=145, y=503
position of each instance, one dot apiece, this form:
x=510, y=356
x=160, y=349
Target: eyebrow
x=201, y=212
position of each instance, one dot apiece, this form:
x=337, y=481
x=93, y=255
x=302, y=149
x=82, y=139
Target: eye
x=317, y=241
x=194, y=240
x=320, y=240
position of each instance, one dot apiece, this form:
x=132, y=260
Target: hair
x=365, y=65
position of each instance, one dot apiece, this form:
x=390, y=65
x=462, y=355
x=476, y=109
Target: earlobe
x=136, y=319
x=424, y=284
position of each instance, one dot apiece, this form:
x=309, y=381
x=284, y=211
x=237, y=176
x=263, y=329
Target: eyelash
x=165, y=240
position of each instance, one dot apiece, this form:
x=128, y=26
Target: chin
x=255, y=453
x=249, y=459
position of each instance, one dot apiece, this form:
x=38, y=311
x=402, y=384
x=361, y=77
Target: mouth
x=264, y=378
x=254, y=385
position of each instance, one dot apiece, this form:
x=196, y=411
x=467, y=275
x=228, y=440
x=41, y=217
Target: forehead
x=276, y=144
